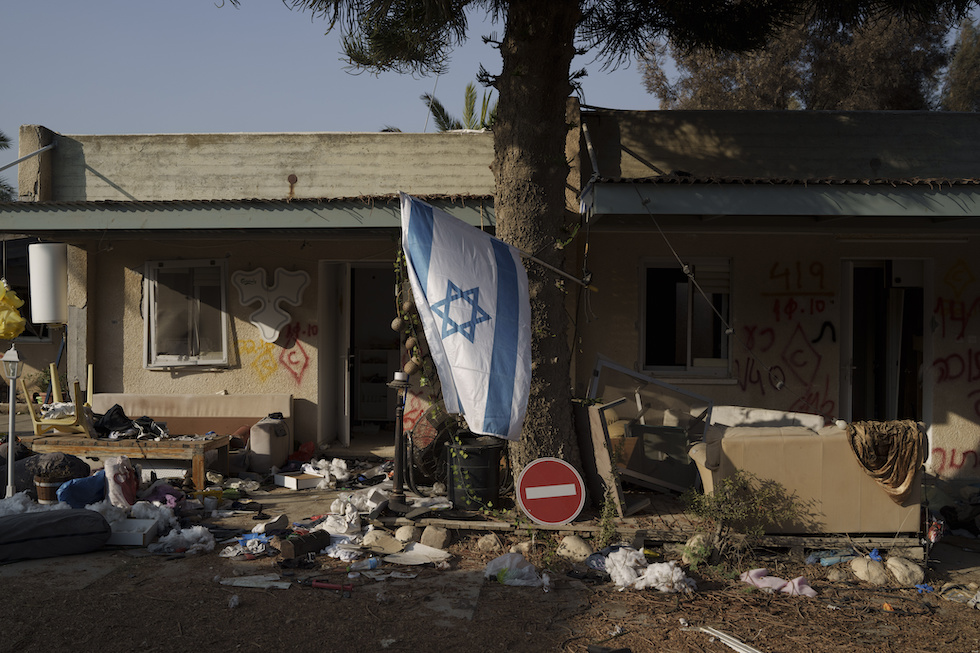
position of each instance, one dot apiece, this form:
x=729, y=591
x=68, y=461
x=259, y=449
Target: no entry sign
x=550, y=491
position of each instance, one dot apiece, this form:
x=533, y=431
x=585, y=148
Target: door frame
x=848, y=266
x=334, y=351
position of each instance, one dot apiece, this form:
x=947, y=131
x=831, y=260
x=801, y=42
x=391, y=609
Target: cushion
x=745, y=416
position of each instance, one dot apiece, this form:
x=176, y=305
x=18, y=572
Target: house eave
x=815, y=203
x=226, y=215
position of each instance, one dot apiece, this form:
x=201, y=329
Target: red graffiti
x=958, y=367
x=801, y=357
x=765, y=332
x=748, y=374
x=816, y=401
x=295, y=360
x=956, y=312
x=949, y=460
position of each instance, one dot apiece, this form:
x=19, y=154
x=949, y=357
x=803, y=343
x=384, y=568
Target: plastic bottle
x=361, y=565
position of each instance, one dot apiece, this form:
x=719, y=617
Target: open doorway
x=374, y=348
x=884, y=347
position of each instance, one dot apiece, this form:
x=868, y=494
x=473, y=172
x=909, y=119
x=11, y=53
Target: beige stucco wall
x=290, y=365
x=787, y=316
x=250, y=166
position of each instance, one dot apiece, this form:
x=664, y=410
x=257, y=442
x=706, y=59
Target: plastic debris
x=261, y=581
x=512, y=569
x=12, y=323
x=727, y=640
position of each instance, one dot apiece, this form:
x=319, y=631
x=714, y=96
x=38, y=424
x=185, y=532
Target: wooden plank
x=603, y=461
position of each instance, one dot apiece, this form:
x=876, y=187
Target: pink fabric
x=760, y=578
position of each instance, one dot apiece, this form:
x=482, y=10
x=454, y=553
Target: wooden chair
x=77, y=424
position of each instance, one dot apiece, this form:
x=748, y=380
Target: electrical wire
x=778, y=383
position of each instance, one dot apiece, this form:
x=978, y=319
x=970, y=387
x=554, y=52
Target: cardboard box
x=133, y=532
x=298, y=480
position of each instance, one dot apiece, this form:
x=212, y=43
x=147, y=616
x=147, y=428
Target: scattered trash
x=196, y=539
x=628, y=567
x=760, y=578
x=233, y=601
x=727, y=640
x=344, y=588
x=366, y=563
x=512, y=569
x=260, y=581
x=828, y=558
x=874, y=555
x=968, y=594
x=416, y=553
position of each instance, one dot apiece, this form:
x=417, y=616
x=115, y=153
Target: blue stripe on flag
x=420, y=227
x=503, y=361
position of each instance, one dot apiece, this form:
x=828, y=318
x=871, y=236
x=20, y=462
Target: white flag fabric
x=472, y=297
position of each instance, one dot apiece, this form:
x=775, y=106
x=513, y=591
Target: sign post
x=550, y=491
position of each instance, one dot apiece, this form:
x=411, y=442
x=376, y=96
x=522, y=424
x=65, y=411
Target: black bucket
x=474, y=470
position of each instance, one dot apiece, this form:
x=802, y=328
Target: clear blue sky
x=172, y=66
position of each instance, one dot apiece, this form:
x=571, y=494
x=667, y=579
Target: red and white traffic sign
x=550, y=491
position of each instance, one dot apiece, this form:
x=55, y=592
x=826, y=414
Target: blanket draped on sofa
x=891, y=453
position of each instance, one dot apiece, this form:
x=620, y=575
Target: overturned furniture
x=76, y=421
x=637, y=429
x=817, y=466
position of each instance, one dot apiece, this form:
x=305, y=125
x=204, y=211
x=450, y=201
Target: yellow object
x=11, y=322
x=78, y=424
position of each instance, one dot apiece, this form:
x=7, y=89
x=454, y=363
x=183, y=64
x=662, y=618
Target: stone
x=697, y=549
x=870, y=571
x=524, y=548
x=488, y=543
x=380, y=541
x=436, y=536
x=574, y=548
x=906, y=572
x=837, y=575
x=408, y=533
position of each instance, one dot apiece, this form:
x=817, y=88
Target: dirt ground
x=127, y=599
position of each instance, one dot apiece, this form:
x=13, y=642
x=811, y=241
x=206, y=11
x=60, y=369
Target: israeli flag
x=471, y=294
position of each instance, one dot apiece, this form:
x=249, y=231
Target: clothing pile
x=116, y=426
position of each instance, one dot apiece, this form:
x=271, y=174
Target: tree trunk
x=530, y=170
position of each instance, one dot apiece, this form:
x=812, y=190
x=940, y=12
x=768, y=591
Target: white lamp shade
x=48, y=268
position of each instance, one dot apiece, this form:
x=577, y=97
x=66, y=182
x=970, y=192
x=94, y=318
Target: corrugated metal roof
x=170, y=205
x=685, y=178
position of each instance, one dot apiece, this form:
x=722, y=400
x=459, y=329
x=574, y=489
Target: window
x=186, y=322
x=684, y=331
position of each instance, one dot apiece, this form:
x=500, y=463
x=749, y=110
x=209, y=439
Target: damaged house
x=817, y=263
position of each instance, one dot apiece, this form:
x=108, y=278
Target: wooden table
x=172, y=449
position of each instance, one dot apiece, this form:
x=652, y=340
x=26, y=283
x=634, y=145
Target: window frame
x=717, y=282
x=154, y=360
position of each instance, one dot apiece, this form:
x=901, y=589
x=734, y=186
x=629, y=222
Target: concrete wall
x=264, y=166
x=787, y=144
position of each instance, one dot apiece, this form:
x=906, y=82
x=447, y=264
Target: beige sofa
x=816, y=465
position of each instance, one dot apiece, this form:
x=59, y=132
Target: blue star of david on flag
x=462, y=277
x=443, y=307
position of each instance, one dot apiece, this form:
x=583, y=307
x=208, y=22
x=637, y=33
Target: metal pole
x=396, y=502
x=27, y=156
x=11, y=439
